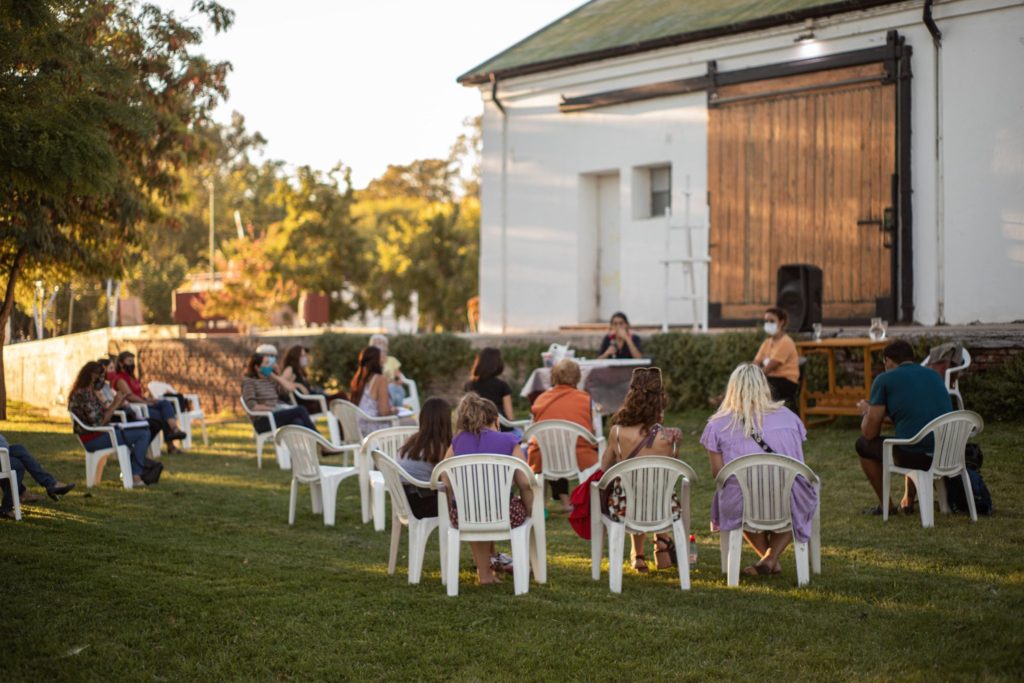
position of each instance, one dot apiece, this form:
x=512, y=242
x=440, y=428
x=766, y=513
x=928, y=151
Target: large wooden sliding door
x=801, y=171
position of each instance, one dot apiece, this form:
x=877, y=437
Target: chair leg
x=334, y=429
x=124, y=459
x=520, y=548
x=259, y=452
x=816, y=540
x=292, y=500
x=206, y=436
x=378, y=493
x=316, y=499
x=616, y=545
x=13, y=483
x=886, y=485
x=596, y=537
x=93, y=469
x=941, y=495
x=539, y=549
x=735, y=550
x=364, y=487
x=452, y=560
x=417, y=548
x=442, y=542
x=966, y=479
x=925, y=497
x=681, y=540
x=185, y=424
x=329, y=489
x=396, y=537
x=803, y=575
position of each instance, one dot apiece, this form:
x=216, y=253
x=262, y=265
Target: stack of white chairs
x=481, y=488
x=648, y=483
x=283, y=459
x=766, y=482
x=952, y=377
x=96, y=460
x=187, y=417
x=951, y=432
x=12, y=480
x=303, y=445
x=395, y=479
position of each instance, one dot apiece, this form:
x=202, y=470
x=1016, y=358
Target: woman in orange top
x=563, y=401
x=778, y=357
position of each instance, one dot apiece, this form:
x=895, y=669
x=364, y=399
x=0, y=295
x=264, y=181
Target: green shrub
x=995, y=393
x=697, y=366
x=426, y=358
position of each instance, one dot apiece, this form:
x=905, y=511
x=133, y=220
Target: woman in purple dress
x=747, y=421
x=477, y=431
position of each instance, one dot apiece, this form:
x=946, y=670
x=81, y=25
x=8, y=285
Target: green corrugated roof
x=606, y=28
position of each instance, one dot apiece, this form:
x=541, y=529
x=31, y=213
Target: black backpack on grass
x=956, y=496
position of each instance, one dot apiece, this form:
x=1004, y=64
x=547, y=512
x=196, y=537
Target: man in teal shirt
x=911, y=396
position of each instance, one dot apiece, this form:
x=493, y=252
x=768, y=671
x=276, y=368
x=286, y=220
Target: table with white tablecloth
x=606, y=380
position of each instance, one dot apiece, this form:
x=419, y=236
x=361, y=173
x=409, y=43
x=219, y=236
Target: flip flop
x=759, y=570
x=640, y=568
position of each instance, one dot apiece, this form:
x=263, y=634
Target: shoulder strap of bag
x=646, y=443
x=761, y=442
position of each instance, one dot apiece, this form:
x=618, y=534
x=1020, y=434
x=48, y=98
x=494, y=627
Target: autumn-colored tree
x=100, y=104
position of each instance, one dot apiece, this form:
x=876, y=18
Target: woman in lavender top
x=747, y=414
x=478, y=431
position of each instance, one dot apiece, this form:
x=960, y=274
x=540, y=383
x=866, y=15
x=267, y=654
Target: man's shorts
x=872, y=450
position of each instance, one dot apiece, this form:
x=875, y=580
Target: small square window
x=661, y=191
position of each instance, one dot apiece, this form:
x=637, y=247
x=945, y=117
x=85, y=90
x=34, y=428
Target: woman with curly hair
x=637, y=431
x=749, y=421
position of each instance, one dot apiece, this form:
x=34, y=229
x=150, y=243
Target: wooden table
x=836, y=400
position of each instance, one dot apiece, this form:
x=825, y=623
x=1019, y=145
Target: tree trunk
x=5, y=315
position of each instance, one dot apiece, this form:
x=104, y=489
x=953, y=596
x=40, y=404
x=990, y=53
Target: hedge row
x=696, y=367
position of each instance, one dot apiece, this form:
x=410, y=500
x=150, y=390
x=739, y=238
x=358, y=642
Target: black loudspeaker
x=799, y=295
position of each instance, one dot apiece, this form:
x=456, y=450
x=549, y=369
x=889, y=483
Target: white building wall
x=552, y=158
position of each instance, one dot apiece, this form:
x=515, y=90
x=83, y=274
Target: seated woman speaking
x=563, y=401
x=263, y=389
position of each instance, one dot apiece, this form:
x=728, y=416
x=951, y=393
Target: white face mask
x=304, y=361
x=771, y=328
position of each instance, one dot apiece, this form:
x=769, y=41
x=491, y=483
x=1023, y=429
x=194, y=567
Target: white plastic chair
x=371, y=483
x=96, y=460
x=481, y=485
x=419, y=529
x=648, y=483
x=333, y=426
x=323, y=480
x=766, y=484
x=185, y=417
x=513, y=424
x=140, y=412
x=283, y=459
x=951, y=432
x=556, y=440
x=12, y=480
x=349, y=414
x=952, y=377
x=412, y=398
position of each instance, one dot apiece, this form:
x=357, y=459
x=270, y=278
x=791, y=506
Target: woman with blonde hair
x=749, y=421
x=637, y=431
x=476, y=427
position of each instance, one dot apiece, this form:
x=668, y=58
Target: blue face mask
x=266, y=370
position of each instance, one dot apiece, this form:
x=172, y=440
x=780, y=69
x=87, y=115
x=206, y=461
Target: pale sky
x=365, y=82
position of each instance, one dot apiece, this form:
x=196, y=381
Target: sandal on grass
x=664, y=552
x=640, y=564
x=760, y=570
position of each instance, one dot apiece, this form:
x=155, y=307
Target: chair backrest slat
x=348, y=415
x=392, y=473
x=951, y=433
x=481, y=487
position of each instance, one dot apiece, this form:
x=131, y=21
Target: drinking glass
x=816, y=329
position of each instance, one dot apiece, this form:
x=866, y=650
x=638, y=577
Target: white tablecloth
x=606, y=380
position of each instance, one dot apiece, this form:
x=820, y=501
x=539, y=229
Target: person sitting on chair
x=620, y=342
x=263, y=389
x=911, y=396
x=485, y=381
x=370, y=391
x=296, y=361
x=563, y=401
x=391, y=368
x=22, y=462
x=749, y=421
x=88, y=405
x=423, y=451
x=161, y=411
x=778, y=357
x=637, y=431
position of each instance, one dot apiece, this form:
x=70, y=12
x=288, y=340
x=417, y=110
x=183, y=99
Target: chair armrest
x=319, y=398
x=195, y=400
x=121, y=415
x=102, y=429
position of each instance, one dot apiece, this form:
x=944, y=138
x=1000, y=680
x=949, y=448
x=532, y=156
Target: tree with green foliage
x=100, y=103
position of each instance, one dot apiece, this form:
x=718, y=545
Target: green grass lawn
x=201, y=578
